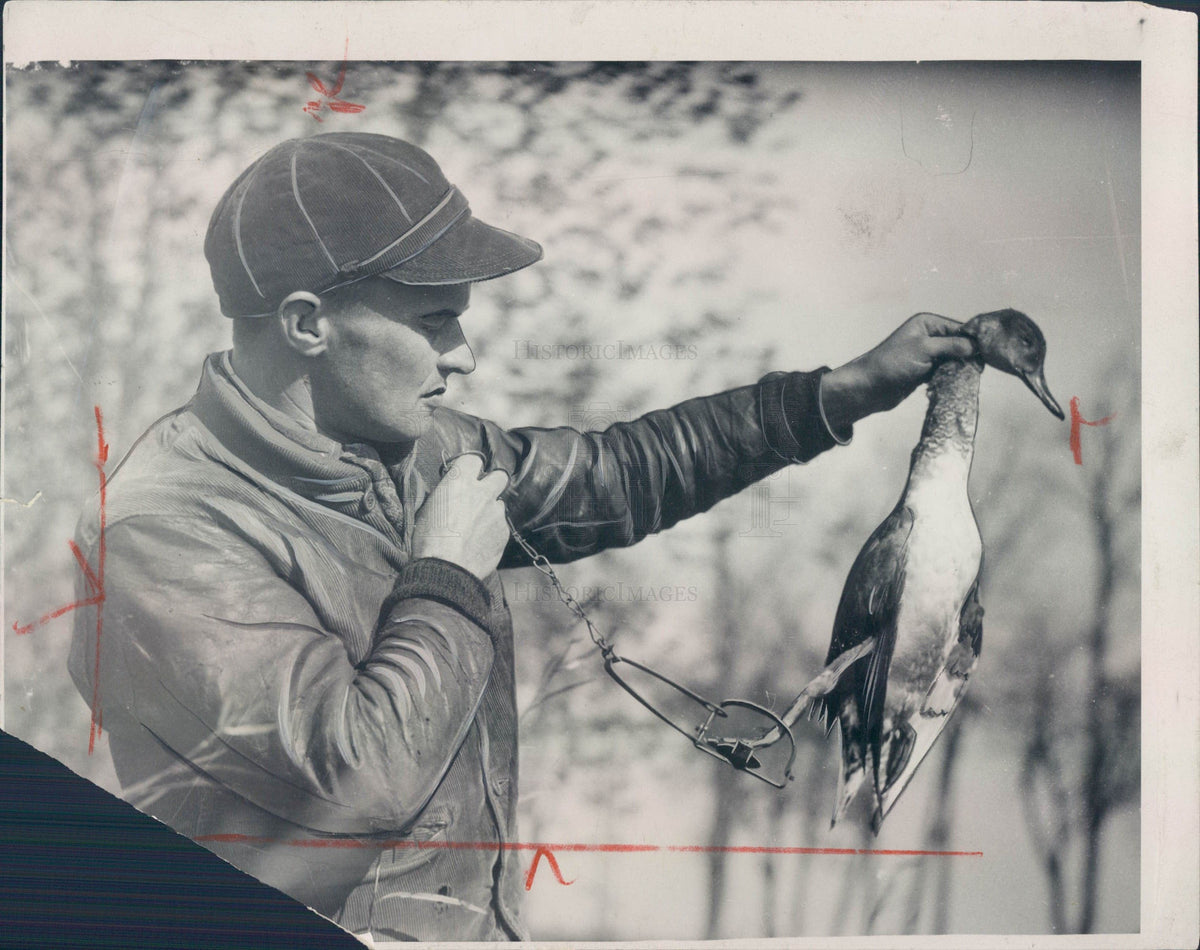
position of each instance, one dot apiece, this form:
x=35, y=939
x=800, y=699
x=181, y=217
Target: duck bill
x=1037, y=382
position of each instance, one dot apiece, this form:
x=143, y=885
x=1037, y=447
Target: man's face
x=391, y=349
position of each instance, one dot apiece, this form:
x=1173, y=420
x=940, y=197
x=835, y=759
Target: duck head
x=1010, y=341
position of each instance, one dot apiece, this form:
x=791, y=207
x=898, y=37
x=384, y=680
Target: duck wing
x=868, y=609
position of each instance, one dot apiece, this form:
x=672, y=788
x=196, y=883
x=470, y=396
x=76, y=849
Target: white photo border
x=1163, y=41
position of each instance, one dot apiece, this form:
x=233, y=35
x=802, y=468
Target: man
x=306, y=659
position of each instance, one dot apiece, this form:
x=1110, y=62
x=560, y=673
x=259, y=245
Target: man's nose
x=457, y=357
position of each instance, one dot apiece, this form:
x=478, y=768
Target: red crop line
x=94, y=579
x=548, y=847
x=89, y=575
x=97, y=725
x=55, y=614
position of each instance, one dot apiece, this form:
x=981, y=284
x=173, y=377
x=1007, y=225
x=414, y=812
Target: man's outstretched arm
x=575, y=493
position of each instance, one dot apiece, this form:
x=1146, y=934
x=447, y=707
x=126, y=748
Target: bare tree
x=1070, y=791
x=938, y=829
x=726, y=783
x=1105, y=781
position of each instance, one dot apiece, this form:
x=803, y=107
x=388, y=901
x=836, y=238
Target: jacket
x=280, y=680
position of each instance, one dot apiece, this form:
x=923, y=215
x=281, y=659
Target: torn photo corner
x=395, y=391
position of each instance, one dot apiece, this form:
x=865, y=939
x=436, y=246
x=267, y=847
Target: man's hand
x=880, y=379
x=462, y=521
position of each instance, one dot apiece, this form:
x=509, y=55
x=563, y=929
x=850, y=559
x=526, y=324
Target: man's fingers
x=951, y=347
x=470, y=465
x=937, y=325
x=944, y=337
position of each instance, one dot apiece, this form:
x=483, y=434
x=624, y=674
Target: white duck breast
x=930, y=658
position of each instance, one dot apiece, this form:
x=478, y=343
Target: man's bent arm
x=227, y=664
x=574, y=493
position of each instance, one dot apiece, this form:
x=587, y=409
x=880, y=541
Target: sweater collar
x=301, y=460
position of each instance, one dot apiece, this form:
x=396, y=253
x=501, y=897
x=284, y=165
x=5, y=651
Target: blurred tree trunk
x=725, y=802
x=770, y=863
x=943, y=822
x=1076, y=772
x=1095, y=792
x=437, y=84
x=1044, y=794
x=142, y=342
x=872, y=894
x=853, y=881
x=100, y=360
x=813, y=786
x=937, y=834
x=725, y=788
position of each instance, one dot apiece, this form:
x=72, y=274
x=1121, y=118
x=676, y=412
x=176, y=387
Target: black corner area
x=80, y=868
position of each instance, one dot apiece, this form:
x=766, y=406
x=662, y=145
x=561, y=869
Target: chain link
x=737, y=752
x=543, y=564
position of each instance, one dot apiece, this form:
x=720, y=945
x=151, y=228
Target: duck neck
x=942, y=459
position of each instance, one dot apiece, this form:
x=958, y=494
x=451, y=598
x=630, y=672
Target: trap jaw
x=740, y=752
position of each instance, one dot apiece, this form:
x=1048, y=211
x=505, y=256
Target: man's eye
x=433, y=323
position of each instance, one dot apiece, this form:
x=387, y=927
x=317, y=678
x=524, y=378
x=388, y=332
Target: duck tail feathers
x=818, y=710
x=924, y=732
x=849, y=783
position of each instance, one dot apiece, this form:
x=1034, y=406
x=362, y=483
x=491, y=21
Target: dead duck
x=909, y=620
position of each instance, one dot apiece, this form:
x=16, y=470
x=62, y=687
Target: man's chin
x=392, y=431
x=414, y=424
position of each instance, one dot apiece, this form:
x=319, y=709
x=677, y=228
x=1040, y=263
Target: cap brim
x=469, y=251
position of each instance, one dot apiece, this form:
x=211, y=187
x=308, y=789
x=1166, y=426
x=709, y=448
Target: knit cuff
x=444, y=582
x=839, y=439
x=792, y=417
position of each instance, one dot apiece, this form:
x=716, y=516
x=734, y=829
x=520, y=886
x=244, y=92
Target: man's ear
x=305, y=328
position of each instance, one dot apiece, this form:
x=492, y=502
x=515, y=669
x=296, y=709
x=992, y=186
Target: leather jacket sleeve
x=227, y=664
x=574, y=493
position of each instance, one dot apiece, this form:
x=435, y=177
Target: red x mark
x=1077, y=420
x=330, y=95
x=94, y=579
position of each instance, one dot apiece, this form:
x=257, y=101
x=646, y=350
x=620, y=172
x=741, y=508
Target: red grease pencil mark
x=329, y=96
x=94, y=580
x=1077, y=420
x=550, y=859
x=547, y=847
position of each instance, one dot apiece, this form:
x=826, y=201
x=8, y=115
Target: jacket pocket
x=418, y=847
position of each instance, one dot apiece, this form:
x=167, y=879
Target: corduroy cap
x=316, y=213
